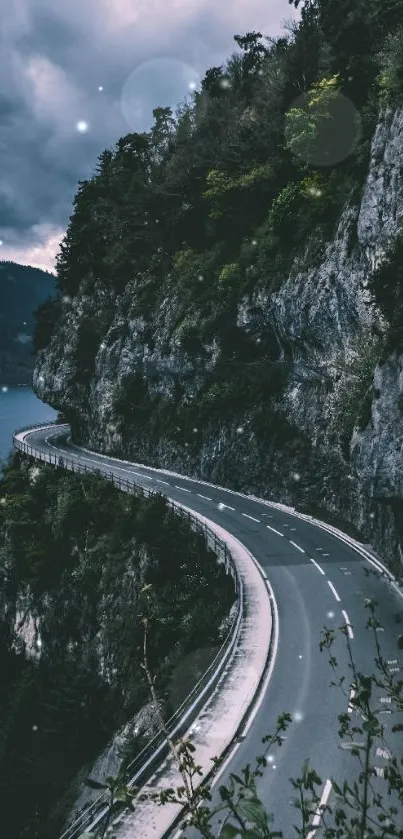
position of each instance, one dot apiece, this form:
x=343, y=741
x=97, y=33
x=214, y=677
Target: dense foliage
x=74, y=555
x=215, y=201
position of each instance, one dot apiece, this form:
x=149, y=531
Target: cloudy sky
x=75, y=75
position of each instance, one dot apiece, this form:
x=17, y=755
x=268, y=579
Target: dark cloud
x=54, y=57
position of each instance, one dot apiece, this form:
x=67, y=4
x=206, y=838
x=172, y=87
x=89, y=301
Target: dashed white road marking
x=333, y=590
x=382, y=753
x=350, y=706
x=317, y=566
x=251, y=517
x=325, y=554
x=349, y=628
x=297, y=546
x=182, y=488
x=322, y=803
x=319, y=549
x=139, y=474
x=274, y=530
x=204, y=496
x=162, y=482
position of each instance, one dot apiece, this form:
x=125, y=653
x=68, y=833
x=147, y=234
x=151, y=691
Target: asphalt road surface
x=317, y=580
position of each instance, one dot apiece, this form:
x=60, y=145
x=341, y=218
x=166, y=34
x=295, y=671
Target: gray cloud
x=54, y=57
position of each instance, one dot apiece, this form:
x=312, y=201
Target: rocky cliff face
x=312, y=451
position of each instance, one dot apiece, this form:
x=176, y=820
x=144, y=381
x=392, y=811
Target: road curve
x=317, y=580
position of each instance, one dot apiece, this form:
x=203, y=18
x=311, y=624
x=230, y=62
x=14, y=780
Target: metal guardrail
x=152, y=755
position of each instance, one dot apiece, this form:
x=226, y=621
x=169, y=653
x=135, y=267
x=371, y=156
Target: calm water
x=19, y=406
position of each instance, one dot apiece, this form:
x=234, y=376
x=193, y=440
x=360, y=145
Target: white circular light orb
x=297, y=716
x=1, y=242
x=338, y=130
x=330, y=614
x=82, y=126
x=100, y=88
x=221, y=506
x=4, y=389
x=169, y=79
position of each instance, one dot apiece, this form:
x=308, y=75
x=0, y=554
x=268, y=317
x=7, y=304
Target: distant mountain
x=22, y=290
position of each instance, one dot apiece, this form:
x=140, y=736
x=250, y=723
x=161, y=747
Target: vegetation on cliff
x=215, y=202
x=75, y=553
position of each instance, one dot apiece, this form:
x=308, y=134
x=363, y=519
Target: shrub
x=305, y=125
x=351, y=398
x=390, y=79
x=188, y=335
x=230, y=277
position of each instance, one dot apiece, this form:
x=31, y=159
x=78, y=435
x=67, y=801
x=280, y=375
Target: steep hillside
x=22, y=290
x=75, y=556
x=230, y=283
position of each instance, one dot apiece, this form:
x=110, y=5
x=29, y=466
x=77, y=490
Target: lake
x=19, y=406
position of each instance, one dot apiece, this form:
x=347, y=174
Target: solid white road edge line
x=276, y=635
x=323, y=801
x=348, y=624
x=332, y=588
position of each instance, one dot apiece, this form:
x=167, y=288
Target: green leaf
x=254, y=811
x=229, y=831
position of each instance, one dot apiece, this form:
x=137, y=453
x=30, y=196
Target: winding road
x=317, y=580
